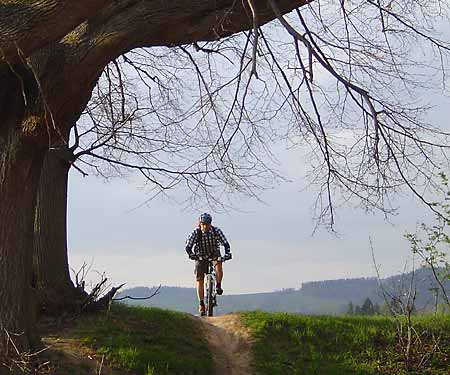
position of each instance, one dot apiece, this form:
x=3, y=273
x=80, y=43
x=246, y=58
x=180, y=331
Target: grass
x=153, y=341
x=147, y=341
x=309, y=345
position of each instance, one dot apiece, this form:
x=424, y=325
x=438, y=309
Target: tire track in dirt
x=230, y=343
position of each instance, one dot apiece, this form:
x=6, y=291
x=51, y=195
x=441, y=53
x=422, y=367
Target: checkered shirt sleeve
x=191, y=240
x=222, y=239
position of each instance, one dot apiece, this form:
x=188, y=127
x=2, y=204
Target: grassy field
x=295, y=344
x=152, y=341
x=144, y=341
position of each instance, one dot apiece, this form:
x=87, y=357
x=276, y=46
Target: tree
x=431, y=243
x=54, y=288
x=48, y=68
x=123, y=130
x=367, y=307
x=350, y=309
x=351, y=62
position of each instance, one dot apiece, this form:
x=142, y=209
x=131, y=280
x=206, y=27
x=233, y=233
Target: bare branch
x=156, y=292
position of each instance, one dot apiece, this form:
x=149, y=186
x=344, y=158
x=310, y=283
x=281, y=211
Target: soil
x=230, y=344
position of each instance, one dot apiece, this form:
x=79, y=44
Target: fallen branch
x=104, y=302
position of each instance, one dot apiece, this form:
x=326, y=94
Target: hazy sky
x=271, y=243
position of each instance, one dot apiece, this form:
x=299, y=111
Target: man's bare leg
x=201, y=296
x=219, y=276
x=201, y=290
x=219, y=272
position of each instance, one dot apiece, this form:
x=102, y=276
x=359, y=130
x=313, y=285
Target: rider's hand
x=227, y=256
x=193, y=256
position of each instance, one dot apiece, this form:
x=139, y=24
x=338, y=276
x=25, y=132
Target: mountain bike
x=210, y=285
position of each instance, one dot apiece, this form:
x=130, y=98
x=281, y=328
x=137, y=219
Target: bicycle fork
x=211, y=300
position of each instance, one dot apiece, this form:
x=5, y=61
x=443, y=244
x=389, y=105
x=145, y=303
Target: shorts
x=201, y=266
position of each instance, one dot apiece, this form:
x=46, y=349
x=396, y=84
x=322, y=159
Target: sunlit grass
x=295, y=344
x=147, y=341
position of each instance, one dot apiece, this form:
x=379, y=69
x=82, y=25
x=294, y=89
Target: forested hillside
x=356, y=290
x=316, y=297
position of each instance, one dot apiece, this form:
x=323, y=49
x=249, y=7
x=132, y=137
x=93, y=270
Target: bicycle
x=210, y=285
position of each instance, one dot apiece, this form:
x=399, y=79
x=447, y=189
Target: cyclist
x=206, y=240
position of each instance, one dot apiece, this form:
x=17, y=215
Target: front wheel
x=210, y=297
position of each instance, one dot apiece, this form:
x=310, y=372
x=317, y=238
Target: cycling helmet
x=205, y=218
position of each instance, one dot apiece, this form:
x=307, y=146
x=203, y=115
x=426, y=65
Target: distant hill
x=184, y=299
x=357, y=289
x=315, y=297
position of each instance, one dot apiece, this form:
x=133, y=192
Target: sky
x=272, y=243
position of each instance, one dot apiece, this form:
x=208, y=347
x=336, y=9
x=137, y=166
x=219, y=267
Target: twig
x=156, y=292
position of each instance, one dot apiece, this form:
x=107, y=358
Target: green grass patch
x=325, y=345
x=148, y=341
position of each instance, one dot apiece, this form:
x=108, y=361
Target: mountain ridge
x=315, y=297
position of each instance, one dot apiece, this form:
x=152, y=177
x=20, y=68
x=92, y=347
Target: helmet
x=205, y=218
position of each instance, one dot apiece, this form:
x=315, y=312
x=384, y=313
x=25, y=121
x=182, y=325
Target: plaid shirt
x=208, y=243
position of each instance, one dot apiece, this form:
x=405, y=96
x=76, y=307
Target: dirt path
x=230, y=344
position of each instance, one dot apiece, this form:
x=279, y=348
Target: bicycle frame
x=210, y=286
x=210, y=289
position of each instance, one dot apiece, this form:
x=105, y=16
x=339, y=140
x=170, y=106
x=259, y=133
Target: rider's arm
x=223, y=240
x=190, y=242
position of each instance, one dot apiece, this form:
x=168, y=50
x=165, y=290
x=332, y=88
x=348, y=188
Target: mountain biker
x=206, y=240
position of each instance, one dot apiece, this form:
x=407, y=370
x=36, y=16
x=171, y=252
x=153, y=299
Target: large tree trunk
x=56, y=291
x=20, y=166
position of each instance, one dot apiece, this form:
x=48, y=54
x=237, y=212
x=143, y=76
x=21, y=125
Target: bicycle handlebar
x=220, y=259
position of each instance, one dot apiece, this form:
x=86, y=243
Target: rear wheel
x=210, y=297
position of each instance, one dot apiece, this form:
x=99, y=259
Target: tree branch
x=40, y=23
x=156, y=292
x=121, y=28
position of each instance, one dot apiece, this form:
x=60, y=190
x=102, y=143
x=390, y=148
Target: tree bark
x=28, y=25
x=20, y=166
x=126, y=25
x=56, y=292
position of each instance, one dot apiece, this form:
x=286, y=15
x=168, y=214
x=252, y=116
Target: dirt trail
x=229, y=343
